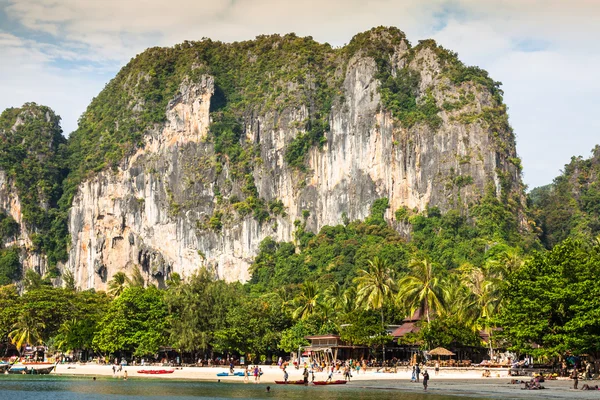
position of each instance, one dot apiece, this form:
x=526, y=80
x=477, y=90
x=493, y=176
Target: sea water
x=15, y=387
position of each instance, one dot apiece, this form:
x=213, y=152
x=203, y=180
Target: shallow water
x=66, y=388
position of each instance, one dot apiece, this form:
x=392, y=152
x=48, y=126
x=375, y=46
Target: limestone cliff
x=32, y=167
x=411, y=124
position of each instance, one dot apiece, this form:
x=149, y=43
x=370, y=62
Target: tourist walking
x=418, y=373
x=425, y=379
x=413, y=378
x=575, y=377
x=347, y=373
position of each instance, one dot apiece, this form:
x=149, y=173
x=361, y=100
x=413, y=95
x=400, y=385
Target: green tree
x=10, y=266
x=293, y=338
x=118, y=283
x=308, y=302
x=375, y=286
x=252, y=328
x=421, y=288
x=27, y=330
x=197, y=309
x=136, y=321
x=137, y=279
x=551, y=302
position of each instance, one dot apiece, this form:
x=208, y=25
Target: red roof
x=406, y=328
x=417, y=316
x=322, y=337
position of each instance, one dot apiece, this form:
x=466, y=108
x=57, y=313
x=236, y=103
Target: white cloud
x=550, y=91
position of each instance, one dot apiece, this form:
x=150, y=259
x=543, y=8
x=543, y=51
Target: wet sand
x=463, y=382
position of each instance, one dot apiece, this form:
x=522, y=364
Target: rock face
x=149, y=211
x=30, y=177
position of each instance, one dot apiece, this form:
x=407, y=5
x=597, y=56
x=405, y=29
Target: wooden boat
x=24, y=369
x=18, y=369
x=42, y=371
x=156, y=371
x=329, y=383
x=33, y=363
x=299, y=382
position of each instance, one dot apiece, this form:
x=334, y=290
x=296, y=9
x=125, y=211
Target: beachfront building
x=327, y=348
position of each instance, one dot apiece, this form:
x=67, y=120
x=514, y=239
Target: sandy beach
x=464, y=382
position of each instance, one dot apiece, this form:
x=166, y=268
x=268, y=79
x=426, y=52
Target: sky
x=61, y=53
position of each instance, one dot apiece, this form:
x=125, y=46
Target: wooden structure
x=328, y=348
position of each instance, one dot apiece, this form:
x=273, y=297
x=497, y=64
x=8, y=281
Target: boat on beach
x=299, y=382
x=338, y=382
x=25, y=369
x=156, y=371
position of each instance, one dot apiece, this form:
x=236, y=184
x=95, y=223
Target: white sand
x=270, y=373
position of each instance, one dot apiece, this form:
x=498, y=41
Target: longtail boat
x=156, y=371
x=319, y=383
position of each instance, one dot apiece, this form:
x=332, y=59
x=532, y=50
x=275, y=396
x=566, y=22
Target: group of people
x=416, y=373
x=255, y=371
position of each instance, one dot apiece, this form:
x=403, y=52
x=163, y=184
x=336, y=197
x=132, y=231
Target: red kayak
x=300, y=382
x=330, y=383
x=156, y=371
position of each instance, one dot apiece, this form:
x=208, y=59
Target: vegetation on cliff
x=32, y=154
x=261, y=77
x=570, y=206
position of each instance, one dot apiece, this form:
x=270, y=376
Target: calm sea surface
x=62, y=388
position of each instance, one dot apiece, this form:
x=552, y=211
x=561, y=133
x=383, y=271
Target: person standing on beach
x=305, y=375
x=246, y=373
x=437, y=368
x=418, y=372
x=256, y=374
x=575, y=377
x=425, y=379
x=413, y=378
x=285, y=375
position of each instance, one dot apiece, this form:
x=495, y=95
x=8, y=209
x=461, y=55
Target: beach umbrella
x=440, y=351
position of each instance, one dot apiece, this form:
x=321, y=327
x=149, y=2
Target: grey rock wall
x=147, y=213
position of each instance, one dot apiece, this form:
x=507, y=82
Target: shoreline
x=462, y=383
x=270, y=373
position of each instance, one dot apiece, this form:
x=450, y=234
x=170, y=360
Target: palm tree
x=375, y=285
x=137, y=279
x=334, y=296
x=27, y=330
x=421, y=288
x=308, y=301
x=484, y=283
x=505, y=263
x=459, y=301
x=117, y=284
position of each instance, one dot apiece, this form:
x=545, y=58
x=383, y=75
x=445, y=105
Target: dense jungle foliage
x=33, y=155
x=570, y=206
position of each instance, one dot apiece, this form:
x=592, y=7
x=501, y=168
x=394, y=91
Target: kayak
x=300, y=382
x=156, y=371
x=330, y=383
